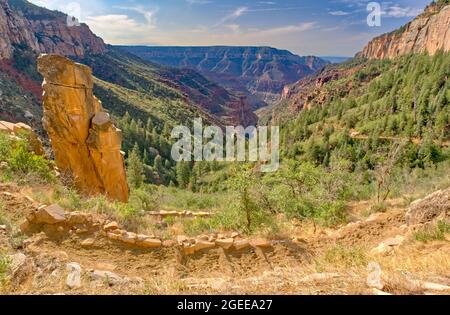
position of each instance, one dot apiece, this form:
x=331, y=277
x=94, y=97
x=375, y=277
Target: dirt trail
x=288, y=266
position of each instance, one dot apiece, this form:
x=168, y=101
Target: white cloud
x=287, y=29
x=118, y=28
x=233, y=16
x=198, y=1
x=339, y=13
x=149, y=15
x=233, y=27
x=399, y=12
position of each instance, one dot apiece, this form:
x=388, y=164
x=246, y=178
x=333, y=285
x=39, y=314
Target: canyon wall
x=44, y=31
x=429, y=32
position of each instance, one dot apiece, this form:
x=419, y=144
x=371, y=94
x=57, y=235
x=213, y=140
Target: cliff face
x=429, y=32
x=44, y=31
x=255, y=71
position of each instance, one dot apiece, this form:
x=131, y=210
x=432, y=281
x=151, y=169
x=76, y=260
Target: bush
x=433, y=233
x=23, y=164
x=147, y=198
x=5, y=265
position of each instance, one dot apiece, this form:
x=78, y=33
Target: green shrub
x=433, y=233
x=24, y=165
x=5, y=265
x=147, y=198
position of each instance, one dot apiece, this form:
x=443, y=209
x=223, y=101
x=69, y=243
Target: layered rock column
x=85, y=142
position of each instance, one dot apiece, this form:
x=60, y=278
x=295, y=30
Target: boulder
x=128, y=237
x=84, y=140
x=260, y=242
x=241, y=244
x=150, y=243
x=111, y=226
x=75, y=218
x=73, y=279
x=225, y=243
x=381, y=249
x=429, y=208
x=395, y=241
x=89, y=242
x=50, y=215
x=201, y=245
x=169, y=243
x=108, y=277
x=374, y=276
x=189, y=249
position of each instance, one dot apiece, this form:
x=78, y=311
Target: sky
x=305, y=27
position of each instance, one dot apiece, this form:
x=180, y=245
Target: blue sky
x=305, y=27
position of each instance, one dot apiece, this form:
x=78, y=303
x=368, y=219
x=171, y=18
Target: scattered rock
x=181, y=239
x=113, y=236
x=375, y=291
x=189, y=249
x=203, y=237
x=18, y=261
x=50, y=215
x=108, y=277
x=374, y=276
x=111, y=226
x=73, y=280
x=241, y=244
x=425, y=210
x=169, y=243
x=150, y=243
x=89, y=242
x=105, y=266
x=260, y=242
x=75, y=218
x=374, y=217
x=235, y=234
x=81, y=231
x=395, y=241
x=435, y=286
x=200, y=245
x=381, y=249
x=2, y=227
x=128, y=237
x=225, y=243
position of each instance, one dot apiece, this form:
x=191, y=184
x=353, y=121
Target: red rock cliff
x=429, y=32
x=22, y=23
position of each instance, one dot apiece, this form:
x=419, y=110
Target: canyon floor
x=376, y=254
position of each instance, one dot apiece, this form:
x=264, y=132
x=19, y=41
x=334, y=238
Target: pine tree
x=183, y=174
x=135, y=170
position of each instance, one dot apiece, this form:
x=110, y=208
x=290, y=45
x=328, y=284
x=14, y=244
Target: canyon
x=260, y=73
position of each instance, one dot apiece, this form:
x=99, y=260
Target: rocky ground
x=62, y=252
